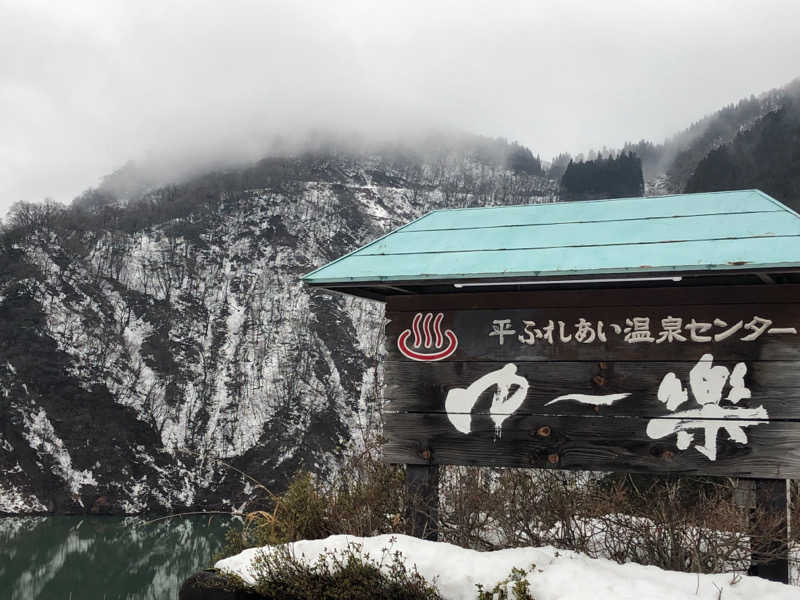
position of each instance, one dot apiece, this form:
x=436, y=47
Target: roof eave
x=381, y=289
x=627, y=273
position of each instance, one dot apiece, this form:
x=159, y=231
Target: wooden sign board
x=685, y=380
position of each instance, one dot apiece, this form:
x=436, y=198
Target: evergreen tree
x=766, y=157
x=522, y=160
x=610, y=177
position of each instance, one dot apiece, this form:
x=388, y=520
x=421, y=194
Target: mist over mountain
x=681, y=154
x=765, y=156
x=87, y=86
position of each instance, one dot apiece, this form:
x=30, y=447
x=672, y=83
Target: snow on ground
x=558, y=575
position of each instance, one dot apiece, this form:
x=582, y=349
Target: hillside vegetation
x=142, y=342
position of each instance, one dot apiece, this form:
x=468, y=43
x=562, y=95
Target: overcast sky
x=87, y=86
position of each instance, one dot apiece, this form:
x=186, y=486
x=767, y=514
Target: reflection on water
x=77, y=558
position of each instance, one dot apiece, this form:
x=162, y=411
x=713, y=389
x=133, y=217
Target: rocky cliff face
x=143, y=344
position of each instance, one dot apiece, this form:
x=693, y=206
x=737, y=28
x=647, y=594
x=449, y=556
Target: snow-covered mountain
x=144, y=343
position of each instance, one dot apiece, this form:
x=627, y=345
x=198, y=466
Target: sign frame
x=468, y=396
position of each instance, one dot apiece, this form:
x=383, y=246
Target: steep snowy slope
x=140, y=345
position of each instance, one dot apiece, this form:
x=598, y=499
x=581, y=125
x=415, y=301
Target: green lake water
x=88, y=558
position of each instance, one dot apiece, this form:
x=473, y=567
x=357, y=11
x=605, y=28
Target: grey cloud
x=85, y=87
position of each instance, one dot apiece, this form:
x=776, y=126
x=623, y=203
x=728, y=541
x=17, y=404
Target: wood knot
x=553, y=459
x=667, y=455
x=599, y=380
x=543, y=431
x=426, y=454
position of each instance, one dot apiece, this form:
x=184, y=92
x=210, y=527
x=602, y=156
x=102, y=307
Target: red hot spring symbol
x=430, y=336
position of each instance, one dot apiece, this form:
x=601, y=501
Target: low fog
x=86, y=87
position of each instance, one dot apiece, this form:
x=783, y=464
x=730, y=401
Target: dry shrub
x=681, y=523
x=514, y=587
x=347, y=575
x=362, y=497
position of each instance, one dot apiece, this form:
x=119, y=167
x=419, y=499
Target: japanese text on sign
x=635, y=330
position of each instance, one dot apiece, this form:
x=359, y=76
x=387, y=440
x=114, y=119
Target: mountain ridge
x=146, y=343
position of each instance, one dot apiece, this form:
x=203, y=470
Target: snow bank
x=559, y=574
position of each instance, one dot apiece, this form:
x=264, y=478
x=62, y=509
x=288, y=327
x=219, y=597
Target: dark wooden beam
x=564, y=280
x=354, y=292
x=727, y=329
x=398, y=289
x=600, y=443
x=731, y=294
x=410, y=387
x=422, y=482
x=770, y=557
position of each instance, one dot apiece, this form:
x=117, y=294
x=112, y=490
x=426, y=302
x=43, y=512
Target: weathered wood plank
x=589, y=443
x=422, y=483
x=662, y=296
x=770, y=557
x=728, y=332
x=414, y=387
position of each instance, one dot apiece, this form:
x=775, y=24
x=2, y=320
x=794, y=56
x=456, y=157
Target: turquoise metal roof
x=679, y=234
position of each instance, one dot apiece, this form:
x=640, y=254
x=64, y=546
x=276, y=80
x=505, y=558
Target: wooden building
x=656, y=334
